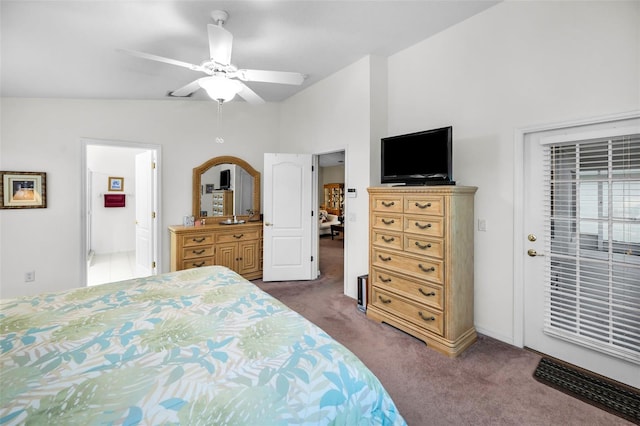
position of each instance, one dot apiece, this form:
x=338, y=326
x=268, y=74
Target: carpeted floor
x=489, y=384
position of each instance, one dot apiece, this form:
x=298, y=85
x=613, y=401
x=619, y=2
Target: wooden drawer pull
x=388, y=239
x=197, y=265
x=383, y=300
x=388, y=222
x=386, y=204
x=432, y=269
x=198, y=240
x=423, y=206
x=431, y=293
x=423, y=246
x=428, y=225
x=426, y=318
x=197, y=251
x=384, y=259
x=238, y=236
x=383, y=279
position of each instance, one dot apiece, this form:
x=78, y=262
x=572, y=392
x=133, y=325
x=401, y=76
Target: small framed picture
x=23, y=190
x=116, y=184
x=209, y=188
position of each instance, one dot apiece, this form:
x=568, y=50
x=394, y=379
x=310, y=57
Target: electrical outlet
x=29, y=276
x=482, y=225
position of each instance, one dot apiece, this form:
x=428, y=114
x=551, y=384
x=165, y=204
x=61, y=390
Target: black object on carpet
x=610, y=396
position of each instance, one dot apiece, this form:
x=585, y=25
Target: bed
x=199, y=346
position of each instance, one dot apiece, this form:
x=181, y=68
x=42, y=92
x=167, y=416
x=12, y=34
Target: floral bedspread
x=202, y=346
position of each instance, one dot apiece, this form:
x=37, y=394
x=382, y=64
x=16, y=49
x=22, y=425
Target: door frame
x=519, y=232
x=84, y=143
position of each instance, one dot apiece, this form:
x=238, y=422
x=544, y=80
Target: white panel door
x=288, y=217
x=540, y=304
x=144, y=201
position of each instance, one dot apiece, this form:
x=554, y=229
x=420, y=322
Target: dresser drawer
x=417, y=204
x=420, y=291
x=386, y=239
x=387, y=203
x=427, y=318
x=196, y=240
x=197, y=263
x=196, y=252
x=424, y=246
x=237, y=235
x=388, y=222
x=425, y=225
x=421, y=268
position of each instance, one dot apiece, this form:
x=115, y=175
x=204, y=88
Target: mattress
x=199, y=346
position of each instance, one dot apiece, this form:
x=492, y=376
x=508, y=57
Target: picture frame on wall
x=116, y=183
x=23, y=190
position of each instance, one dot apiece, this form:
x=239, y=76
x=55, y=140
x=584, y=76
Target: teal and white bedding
x=202, y=346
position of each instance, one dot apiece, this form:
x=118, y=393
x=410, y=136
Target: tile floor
x=104, y=268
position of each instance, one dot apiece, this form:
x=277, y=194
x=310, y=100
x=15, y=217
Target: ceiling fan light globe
x=219, y=88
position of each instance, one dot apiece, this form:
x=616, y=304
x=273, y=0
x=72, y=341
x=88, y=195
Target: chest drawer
x=418, y=314
x=238, y=235
x=387, y=203
x=417, y=204
x=197, y=251
x=424, y=246
x=425, y=225
x=420, y=291
x=387, y=239
x=421, y=268
x=389, y=222
x=197, y=263
x=196, y=240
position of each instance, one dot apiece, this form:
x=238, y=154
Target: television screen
x=421, y=158
x=225, y=179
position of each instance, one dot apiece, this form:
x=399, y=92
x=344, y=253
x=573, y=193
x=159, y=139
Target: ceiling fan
x=223, y=80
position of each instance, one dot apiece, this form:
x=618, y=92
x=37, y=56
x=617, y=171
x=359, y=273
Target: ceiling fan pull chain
x=219, y=139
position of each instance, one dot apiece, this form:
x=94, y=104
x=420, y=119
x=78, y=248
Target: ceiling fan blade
x=187, y=90
x=249, y=95
x=220, y=44
x=281, y=77
x=163, y=59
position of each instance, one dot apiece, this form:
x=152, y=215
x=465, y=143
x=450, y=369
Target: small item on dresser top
x=188, y=221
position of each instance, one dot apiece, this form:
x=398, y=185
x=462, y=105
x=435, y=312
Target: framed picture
x=209, y=188
x=23, y=190
x=116, y=184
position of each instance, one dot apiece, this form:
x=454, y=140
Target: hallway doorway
x=331, y=174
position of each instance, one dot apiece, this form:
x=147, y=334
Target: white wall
x=516, y=64
x=44, y=135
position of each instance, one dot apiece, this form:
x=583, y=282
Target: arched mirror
x=224, y=187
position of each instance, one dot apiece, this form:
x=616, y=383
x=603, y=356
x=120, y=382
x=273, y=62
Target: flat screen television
x=225, y=179
x=421, y=158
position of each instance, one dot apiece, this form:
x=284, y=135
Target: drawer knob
x=388, y=221
x=423, y=246
x=426, y=318
x=388, y=204
x=384, y=259
x=428, y=225
x=238, y=236
x=383, y=279
x=383, y=300
x=431, y=269
x=198, y=240
x=197, y=251
x=431, y=293
x=387, y=239
x=423, y=206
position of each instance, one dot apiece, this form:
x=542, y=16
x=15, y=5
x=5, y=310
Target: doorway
x=120, y=224
x=579, y=245
x=332, y=199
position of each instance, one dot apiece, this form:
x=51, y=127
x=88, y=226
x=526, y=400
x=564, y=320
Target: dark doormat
x=621, y=400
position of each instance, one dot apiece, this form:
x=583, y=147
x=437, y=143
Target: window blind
x=592, y=218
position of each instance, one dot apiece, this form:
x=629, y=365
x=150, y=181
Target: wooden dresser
x=421, y=263
x=238, y=247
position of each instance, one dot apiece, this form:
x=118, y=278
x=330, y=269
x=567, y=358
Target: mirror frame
x=215, y=161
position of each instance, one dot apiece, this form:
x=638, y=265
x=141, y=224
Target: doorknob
x=533, y=253
x=268, y=224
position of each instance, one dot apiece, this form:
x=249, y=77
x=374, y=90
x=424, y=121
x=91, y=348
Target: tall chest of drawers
x=421, y=263
x=238, y=247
